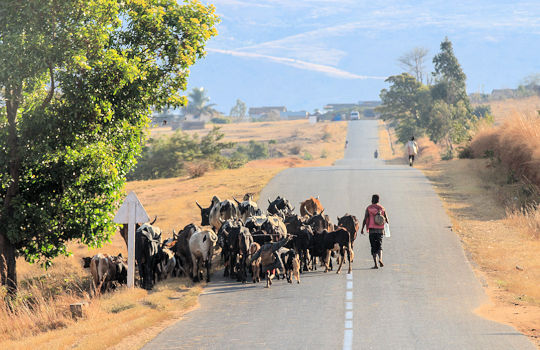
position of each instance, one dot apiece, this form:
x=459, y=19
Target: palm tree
x=198, y=103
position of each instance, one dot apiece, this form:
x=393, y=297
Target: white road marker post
x=130, y=213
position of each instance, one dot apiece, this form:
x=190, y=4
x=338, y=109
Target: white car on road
x=355, y=115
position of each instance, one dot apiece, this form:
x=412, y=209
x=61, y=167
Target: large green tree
x=441, y=111
x=77, y=81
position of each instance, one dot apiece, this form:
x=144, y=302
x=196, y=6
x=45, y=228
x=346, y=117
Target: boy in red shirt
x=375, y=230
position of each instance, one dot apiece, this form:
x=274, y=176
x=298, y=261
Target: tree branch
x=51, y=91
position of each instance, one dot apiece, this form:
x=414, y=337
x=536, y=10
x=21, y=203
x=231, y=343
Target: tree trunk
x=8, y=271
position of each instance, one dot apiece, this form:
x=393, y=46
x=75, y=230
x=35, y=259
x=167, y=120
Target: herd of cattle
x=238, y=229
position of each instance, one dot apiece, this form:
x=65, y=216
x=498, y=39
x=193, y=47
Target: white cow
x=201, y=246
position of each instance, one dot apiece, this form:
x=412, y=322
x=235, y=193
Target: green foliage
x=167, y=156
x=78, y=81
x=307, y=156
x=441, y=111
x=254, y=150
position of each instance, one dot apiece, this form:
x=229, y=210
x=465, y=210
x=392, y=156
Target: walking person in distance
x=412, y=150
x=374, y=220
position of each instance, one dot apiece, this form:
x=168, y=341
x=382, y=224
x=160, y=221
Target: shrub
x=516, y=144
x=448, y=155
x=295, y=149
x=254, y=150
x=197, y=168
x=220, y=120
x=307, y=156
x=166, y=156
x=465, y=152
x=324, y=154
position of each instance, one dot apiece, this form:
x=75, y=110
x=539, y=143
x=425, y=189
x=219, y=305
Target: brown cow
x=105, y=269
x=311, y=206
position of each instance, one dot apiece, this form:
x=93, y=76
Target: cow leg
x=350, y=255
x=195, y=269
x=342, y=257
x=326, y=260
x=208, y=268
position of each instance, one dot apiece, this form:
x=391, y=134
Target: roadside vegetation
x=439, y=110
x=39, y=318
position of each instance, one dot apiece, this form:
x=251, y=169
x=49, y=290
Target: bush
x=220, y=120
x=515, y=144
x=198, y=168
x=295, y=149
x=465, y=152
x=324, y=154
x=254, y=150
x=307, y=156
x=448, y=155
x=167, y=156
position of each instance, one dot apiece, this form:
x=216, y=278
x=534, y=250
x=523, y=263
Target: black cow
x=280, y=204
x=182, y=251
x=302, y=236
x=244, y=242
x=147, y=244
x=351, y=224
x=228, y=243
x=338, y=240
x=320, y=222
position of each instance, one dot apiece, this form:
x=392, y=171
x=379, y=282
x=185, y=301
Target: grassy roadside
x=504, y=256
x=43, y=321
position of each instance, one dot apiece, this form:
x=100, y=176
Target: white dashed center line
x=348, y=333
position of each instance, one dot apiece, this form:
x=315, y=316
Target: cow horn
x=293, y=208
x=155, y=218
x=322, y=211
x=268, y=199
x=198, y=205
x=236, y=200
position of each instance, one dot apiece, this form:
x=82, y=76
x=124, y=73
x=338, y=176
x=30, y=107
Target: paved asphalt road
x=423, y=298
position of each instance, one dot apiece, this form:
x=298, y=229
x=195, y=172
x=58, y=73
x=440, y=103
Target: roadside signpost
x=130, y=213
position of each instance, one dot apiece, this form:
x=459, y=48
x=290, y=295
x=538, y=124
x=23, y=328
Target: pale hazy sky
x=306, y=53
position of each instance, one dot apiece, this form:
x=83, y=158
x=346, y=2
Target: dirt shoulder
x=505, y=260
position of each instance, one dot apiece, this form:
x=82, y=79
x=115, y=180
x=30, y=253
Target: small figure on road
x=374, y=220
x=376, y=154
x=346, y=143
x=270, y=259
x=412, y=150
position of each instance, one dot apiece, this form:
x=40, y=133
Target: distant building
x=500, y=94
x=198, y=118
x=260, y=112
x=339, y=106
x=290, y=115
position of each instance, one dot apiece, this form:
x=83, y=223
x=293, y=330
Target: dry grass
x=516, y=143
x=42, y=319
x=505, y=108
x=115, y=319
